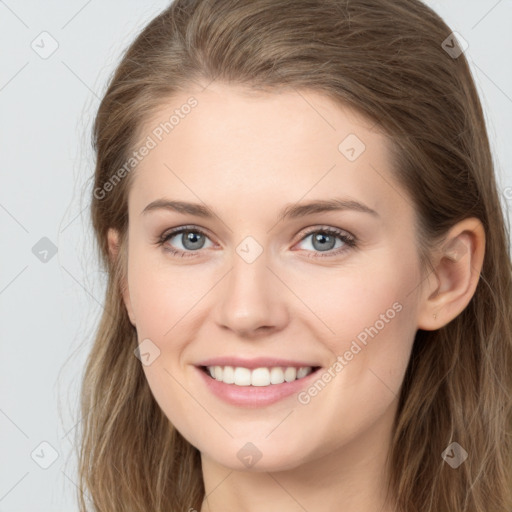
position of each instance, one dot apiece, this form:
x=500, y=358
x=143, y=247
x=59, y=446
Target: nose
x=252, y=299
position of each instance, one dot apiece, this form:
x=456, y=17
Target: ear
x=113, y=249
x=456, y=274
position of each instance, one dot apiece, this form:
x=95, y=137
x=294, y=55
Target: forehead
x=234, y=113
x=231, y=142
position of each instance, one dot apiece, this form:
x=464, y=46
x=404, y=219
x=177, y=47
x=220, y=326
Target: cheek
x=180, y=407
x=368, y=316
x=349, y=302
x=162, y=296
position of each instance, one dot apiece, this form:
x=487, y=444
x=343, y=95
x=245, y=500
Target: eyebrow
x=291, y=211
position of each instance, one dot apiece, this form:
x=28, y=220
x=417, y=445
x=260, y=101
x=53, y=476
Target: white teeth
x=240, y=376
x=302, y=372
x=260, y=377
x=290, y=374
x=276, y=376
x=228, y=375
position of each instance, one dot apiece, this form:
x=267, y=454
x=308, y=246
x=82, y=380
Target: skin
x=247, y=155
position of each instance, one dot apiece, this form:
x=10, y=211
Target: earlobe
x=113, y=247
x=453, y=282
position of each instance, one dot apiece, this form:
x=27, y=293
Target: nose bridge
x=252, y=297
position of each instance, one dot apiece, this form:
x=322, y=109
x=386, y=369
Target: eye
x=191, y=238
x=324, y=240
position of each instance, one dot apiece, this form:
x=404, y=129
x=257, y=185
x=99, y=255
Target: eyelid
x=177, y=230
x=323, y=228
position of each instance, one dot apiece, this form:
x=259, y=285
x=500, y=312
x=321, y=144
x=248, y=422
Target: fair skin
x=247, y=156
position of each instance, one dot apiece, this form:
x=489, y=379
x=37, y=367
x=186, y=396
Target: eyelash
x=349, y=240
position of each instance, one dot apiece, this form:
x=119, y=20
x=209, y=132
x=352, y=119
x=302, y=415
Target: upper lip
x=258, y=362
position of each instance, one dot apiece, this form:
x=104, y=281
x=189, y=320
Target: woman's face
x=259, y=284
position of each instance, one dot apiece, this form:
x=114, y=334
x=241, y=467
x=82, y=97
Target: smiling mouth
x=258, y=377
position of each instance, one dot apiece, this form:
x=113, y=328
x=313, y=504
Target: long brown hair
x=390, y=60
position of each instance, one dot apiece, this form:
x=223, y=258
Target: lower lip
x=255, y=396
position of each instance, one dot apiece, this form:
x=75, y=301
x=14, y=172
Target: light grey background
x=49, y=309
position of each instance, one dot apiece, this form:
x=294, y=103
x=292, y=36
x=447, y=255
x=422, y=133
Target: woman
x=308, y=304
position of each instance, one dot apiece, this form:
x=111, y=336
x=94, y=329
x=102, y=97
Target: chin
x=265, y=456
